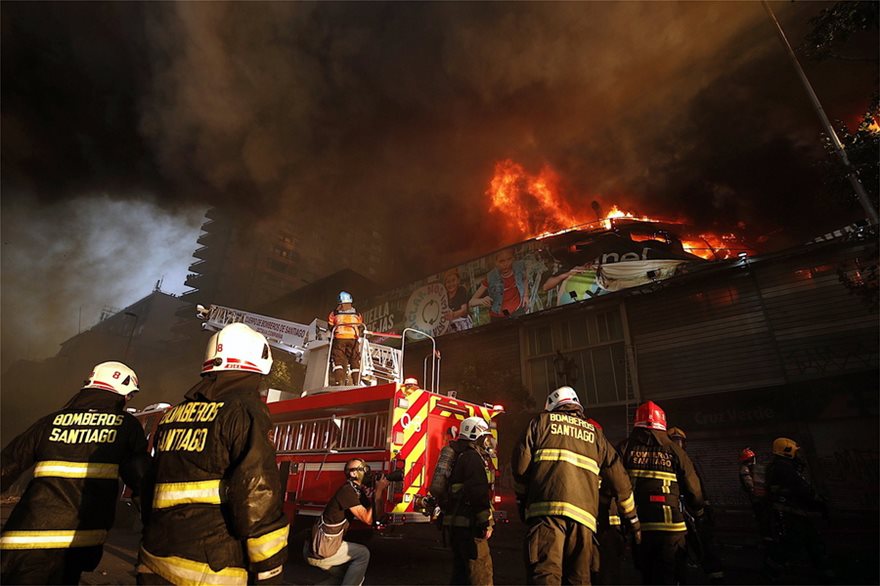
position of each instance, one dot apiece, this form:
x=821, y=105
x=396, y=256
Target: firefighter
x=345, y=353
x=792, y=499
x=216, y=506
x=58, y=528
x=663, y=475
x=751, y=478
x=701, y=541
x=610, y=539
x=468, y=514
x=556, y=470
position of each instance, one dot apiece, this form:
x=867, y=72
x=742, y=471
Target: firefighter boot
x=338, y=376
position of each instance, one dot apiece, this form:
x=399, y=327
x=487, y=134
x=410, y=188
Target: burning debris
x=534, y=206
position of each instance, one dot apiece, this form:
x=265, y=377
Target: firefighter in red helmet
x=556, y=468
x=663, y=477
x=751, y=478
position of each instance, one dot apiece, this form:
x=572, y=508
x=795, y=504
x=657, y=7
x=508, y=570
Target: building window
x=593, y=357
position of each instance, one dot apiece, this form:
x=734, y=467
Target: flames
x=532, y=206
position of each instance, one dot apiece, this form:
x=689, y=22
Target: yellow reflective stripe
x=665, y=486
x=667, y=514
x=263, y=547
x=562, y=509
x=653, y=474
x=170, y=494
x=613, y=520
x=664, y=527
x=184, y=572
x=52, y=539
x=456, y=487
x=562, y=455
x=62, y=469
x=628, y=504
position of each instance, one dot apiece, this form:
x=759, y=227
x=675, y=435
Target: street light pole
x=838, y=146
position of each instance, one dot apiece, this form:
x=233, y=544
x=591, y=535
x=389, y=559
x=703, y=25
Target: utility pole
x=838, y=146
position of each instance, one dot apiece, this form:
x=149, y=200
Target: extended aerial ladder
x=310, y=345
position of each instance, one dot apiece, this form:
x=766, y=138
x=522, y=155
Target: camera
x=371, y=476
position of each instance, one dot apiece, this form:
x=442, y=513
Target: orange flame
x=534, y=208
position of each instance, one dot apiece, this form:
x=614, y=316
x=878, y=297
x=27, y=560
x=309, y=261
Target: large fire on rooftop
x=533, y=205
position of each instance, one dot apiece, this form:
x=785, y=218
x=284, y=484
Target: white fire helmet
x=473, y=428
x=113, y=376
x=410, y=381
x=238, y=348
x=561, y=396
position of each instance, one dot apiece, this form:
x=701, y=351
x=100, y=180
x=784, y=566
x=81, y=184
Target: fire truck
x=397, y=430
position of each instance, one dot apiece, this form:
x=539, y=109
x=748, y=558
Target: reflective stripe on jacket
x=470, y=494
x=557, y=466
x=78, y=455
x=344, y=321
x=215, y=509
x=662, y=473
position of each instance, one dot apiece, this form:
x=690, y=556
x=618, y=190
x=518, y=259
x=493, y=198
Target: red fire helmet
x=650, y=415
x=595, y=423
x=746, y=454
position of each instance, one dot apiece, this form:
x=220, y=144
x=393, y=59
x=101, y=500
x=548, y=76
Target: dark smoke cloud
x=396, y=113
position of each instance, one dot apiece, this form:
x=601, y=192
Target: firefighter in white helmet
x=556, y=470
x=466, y=502
x=345, y=352
x=58, y=528
x=216, y=513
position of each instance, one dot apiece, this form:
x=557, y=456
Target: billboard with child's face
x=527, y=278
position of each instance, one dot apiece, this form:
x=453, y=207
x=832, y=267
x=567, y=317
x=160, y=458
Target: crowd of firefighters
x=211, y=500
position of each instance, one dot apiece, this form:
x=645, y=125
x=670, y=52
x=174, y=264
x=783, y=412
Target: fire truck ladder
x=380, y=364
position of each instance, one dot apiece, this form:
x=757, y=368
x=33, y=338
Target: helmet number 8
x=116, y=374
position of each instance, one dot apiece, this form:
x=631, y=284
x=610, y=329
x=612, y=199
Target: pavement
x=415, y=555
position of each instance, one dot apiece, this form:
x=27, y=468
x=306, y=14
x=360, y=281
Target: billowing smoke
x=393, y=116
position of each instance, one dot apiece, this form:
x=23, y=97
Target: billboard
x=529, y=277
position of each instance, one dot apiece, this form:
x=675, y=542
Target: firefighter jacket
x=746, y=480
x=346, y=322
x=216, y=504
x=469, y=494
x=788, y=488
x=557, y=466
x=79, y=452
x=662, y=474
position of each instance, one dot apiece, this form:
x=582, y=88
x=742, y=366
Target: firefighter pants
x=471, y=559
x=795, y=534
x=345, y=355
x=662, y=557
x=49, y=566
x=558, y=551
x=612, y=546
x=347, y=566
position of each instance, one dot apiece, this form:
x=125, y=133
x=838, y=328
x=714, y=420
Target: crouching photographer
x=327, y=549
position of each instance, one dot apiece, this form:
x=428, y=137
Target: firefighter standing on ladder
x=662, y=474
x=216, y=513
x=345, y=353
x=57, y=530
x=556, y=469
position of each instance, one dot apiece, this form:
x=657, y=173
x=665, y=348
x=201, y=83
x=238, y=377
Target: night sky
x=122, y=122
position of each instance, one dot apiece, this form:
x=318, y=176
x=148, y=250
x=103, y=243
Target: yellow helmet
x=785, y=447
